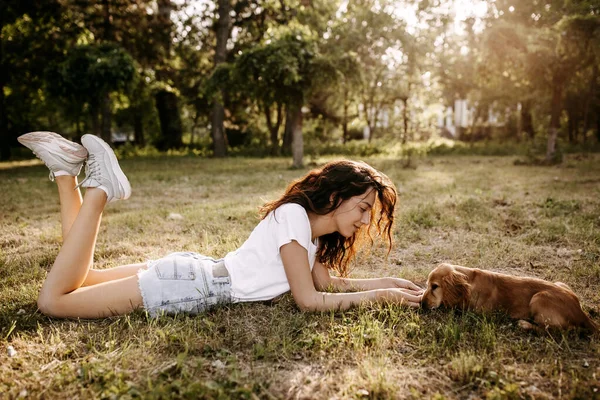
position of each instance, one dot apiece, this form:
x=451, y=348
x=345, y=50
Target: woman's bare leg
x=70, y=204
x=113, y=292
x=70, y=201
x=62, y=295
x=96, y=276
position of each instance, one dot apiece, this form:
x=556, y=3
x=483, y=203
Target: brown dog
x=548, y=305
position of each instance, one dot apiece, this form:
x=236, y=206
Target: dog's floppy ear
x=456, y=289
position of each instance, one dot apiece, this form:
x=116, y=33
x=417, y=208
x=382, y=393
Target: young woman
x=316, y=226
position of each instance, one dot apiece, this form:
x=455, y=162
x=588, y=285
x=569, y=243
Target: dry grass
x=477, y=211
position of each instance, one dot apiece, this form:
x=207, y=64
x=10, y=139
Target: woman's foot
x=60, y=155
x=103, y=171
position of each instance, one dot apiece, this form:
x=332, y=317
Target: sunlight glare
x=393, y=57
x=464, y=9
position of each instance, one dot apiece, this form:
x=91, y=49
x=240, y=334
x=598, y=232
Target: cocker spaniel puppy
x=536, y=303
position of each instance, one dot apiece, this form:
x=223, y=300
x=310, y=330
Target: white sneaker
x=102, y=170
x=60, y=155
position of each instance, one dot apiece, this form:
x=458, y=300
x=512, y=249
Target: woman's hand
x=404, y=284
x=400, y=296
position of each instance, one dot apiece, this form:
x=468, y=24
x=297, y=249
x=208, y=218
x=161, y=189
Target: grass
x=476, y=211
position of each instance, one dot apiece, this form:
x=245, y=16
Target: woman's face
x=354, y=213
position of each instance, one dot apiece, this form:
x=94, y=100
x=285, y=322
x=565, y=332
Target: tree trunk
x=170, y=122
x=138, y=128
x=105, y=103
x=458, y=132
x=474, y=126
x=218, y=111
x=4, y=135
x=106, y=121
x=373, y=125
x=286, y=147
x=295, y=113
x=217, y=130
x=167, y=103
x=273, y=128
x=588, y=100
x=556, y=110
x=78, y=130
x=108, y=29
x=278, y=123
x=95, y=117
x=598, y=124
x=194, y=128
x=367, y=101
x=369, y=129
x=527, y=119
x=345, y=117
x=405, y=119
x=571, y=125
x=371, y=119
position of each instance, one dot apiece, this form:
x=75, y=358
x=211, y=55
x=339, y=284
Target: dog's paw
x=525, y=325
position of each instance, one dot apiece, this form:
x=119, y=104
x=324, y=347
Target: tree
x=560, y=40
x=88, y=75
x=29, y=41
x=284, y=71
x=223, y=30
x=373, y=52
x=167, y=101
x=127, y=23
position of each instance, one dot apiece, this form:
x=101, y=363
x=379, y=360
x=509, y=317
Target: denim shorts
x=184, y=283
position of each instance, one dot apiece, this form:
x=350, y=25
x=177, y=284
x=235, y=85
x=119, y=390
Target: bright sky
x=469, y=8
x=459, y=9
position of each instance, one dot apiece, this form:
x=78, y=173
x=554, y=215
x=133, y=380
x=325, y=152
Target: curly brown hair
x=322, y=190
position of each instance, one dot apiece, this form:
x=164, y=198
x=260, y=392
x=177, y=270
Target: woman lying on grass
x=316, y=225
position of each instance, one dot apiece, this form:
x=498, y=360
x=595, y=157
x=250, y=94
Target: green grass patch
x=478, y=211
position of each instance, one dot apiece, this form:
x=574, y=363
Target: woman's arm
x=348, y=284
x=308, y=298
x=324, y=281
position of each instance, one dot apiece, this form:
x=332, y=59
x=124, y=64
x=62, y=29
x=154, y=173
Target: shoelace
x=92, y=169
x=51, y=176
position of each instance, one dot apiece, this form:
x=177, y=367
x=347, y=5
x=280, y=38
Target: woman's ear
x=334, y=200
x=456, y=289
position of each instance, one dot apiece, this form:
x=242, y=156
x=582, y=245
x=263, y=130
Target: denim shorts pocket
x=175, y=268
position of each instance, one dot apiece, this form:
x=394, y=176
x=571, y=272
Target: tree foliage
x=256, y=74
x=87, y=74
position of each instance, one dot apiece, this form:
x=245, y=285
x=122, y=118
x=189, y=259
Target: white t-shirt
x=256, y=269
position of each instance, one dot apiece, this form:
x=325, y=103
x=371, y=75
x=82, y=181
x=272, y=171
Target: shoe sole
x=119, y=174
x=76, y=150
